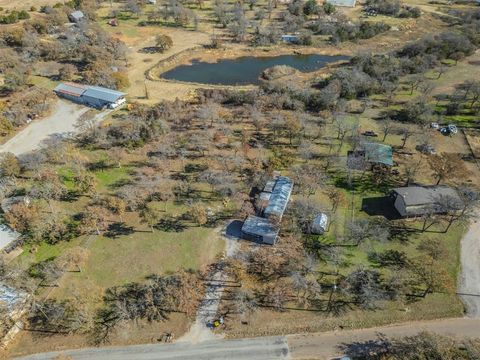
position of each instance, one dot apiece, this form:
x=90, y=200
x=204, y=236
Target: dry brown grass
x=25, y=4
x=129, y=334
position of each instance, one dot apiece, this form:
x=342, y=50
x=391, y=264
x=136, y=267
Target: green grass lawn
x=43, y=82
x=117, y=261
x=112, y=177
x=34, y=253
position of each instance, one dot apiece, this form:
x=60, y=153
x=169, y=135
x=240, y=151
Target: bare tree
x=447, y=166
x=387, y=127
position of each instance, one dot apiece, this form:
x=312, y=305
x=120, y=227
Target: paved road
x=330, y=344
x=469, y=283
x=308, y=346
x=61, y=122
x=266, y=348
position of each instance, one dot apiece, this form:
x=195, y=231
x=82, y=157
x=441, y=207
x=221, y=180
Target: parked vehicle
x=369, y=133
x=434, y=125
x=452, y=128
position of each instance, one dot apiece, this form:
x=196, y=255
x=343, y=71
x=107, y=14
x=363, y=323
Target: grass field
x=130, y=258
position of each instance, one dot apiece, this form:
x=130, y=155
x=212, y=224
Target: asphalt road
x=327, y=345
x=333, y=344
x=469, y=283
x=266, y=348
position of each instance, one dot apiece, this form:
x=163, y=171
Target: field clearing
x=466, y=69
x=25, y=4
x=117, y=261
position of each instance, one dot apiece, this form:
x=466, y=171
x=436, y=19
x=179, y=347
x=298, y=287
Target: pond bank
x=215, y=56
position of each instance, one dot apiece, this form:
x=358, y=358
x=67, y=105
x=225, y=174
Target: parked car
x=369, y=133
x=452, y=128
x=434, y=125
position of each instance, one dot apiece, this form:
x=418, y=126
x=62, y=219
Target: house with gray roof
x=94, y=96
x=412, y=201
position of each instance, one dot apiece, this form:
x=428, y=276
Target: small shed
x=260, y=230
x=319, y=224
x=291, y=39
x=370, y=153
x=76, y=16
x=113, y=22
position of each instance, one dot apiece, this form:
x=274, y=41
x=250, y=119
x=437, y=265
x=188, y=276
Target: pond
x=244, y=70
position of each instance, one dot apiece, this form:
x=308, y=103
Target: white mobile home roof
x=347, y=3
x=280, y=195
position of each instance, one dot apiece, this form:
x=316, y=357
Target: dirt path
x=469, y=283
x=61, y=122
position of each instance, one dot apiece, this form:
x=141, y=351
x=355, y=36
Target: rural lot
x=288, y=178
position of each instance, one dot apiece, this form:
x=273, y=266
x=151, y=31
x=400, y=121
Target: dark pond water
x=244, y=70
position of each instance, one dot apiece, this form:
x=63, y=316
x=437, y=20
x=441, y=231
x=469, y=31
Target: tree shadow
x=170, y=224
x=118, y=229
x=151, y=50
x=99, y=165
x=119, y=183
x=370, y=349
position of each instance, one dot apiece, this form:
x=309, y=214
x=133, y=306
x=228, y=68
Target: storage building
x=260, y=230
x=94, y=96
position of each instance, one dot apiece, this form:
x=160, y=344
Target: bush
x=329, y=8
x=277, y=72
x=163, y=42
x=385, y=7
x=310, y=7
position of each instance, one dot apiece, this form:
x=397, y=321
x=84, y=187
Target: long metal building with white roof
x=95, y=96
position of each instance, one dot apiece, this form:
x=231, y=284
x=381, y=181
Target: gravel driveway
x=62, y=121
x=469, y=284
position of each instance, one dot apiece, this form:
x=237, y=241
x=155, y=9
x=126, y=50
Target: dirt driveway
x=61, y=122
